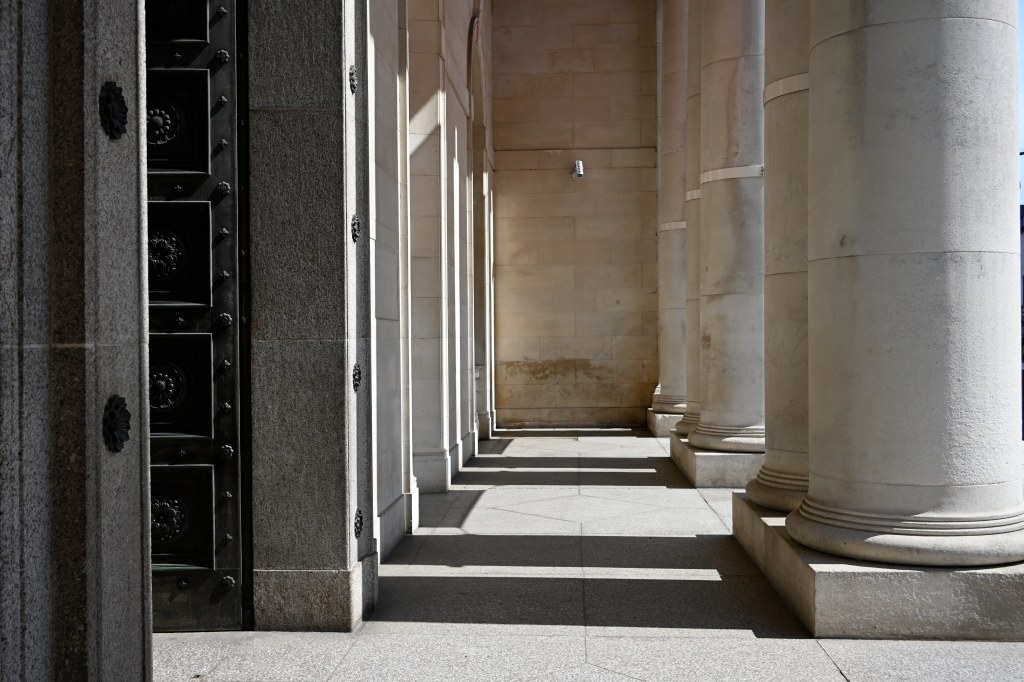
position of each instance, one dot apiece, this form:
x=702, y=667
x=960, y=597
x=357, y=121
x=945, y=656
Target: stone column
x=913, y=285
x=74, y=417
x=692, y=197
x=732, y=246
x=669, y=401
x=428, y=249
x=312, y=569
x=782, y=480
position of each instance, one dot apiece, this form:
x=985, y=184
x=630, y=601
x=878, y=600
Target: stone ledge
x=709, y=469
x=661, y=423
x=836, y=597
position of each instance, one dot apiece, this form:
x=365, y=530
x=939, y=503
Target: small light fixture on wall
x=577, y=169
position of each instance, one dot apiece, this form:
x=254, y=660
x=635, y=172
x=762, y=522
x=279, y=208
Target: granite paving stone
x=732, y=660
x=870, y=660
x=284, y=657
x=391, y=658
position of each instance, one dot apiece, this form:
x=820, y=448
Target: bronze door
x=196, y=297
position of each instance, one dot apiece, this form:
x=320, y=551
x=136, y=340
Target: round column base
x=669, y=405
x=690, y=419
x=775, y=498
x=726, y=439
x=915, y=550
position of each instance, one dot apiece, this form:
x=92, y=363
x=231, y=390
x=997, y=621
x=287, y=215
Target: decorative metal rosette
x=117, y=423
x=167, y=520
x=166, y=386
x=113, y=110
x=166, y=255
x=163, y=124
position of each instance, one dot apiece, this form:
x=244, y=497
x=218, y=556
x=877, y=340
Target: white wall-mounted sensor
x=577, y=169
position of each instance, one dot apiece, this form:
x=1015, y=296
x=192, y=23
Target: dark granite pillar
x=74, y=520
x=311, y=477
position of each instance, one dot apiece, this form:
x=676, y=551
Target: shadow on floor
x=730, y=602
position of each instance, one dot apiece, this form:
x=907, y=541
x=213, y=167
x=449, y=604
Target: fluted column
x=670, y=398
x=782, y=479
x=732, y=228
x=913, y=284
x=692, y=197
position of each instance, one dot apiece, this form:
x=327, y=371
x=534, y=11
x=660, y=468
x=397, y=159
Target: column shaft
x=782, y=479
x=732, y=228
x=913, y=285
x=692, y=197
x=670, y=399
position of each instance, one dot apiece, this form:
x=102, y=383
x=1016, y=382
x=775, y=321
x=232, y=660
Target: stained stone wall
x=74, y=521
x=575, y=259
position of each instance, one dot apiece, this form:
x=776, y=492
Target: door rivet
x=227, y=452
x=182, y=583
x=224, y=188
x=222, y=56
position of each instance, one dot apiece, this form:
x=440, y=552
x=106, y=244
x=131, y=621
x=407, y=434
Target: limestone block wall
x=575, y=271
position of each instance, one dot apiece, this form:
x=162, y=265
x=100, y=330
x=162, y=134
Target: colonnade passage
x=581, y=555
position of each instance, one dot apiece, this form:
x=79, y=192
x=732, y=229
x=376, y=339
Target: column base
x=837, y=597
x=689, y=421
x=390, y=526
x=775, y=498
x=485, y=421
x=433, y=471
x=661, y=423
x=711, y=469
x=314, y=600
x=916, y=549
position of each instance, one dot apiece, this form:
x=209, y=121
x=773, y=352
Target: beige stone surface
x=575, y=258
x=836, y=597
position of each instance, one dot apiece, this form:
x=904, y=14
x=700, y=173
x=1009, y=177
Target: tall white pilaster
x=670, y=399
x=913, y=285
x=782, y=479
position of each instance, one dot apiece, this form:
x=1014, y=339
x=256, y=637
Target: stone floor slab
x=659, y=523
x=284, y=657
x=579, y=509
x=868, y=661
x=185, y=657
x=735, y=660
x=400, y=658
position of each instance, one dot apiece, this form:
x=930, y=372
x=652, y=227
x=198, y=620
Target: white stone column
x=669, y=401
x=692, y=198
x=782, y=479
x=732, y=235
x=913, y=285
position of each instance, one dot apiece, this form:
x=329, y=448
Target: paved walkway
x=579, y=556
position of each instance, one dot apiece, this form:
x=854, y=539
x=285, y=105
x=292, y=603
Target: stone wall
x=575, y=259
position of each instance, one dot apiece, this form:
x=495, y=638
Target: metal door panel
x=180, y=253
x=200, y=565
